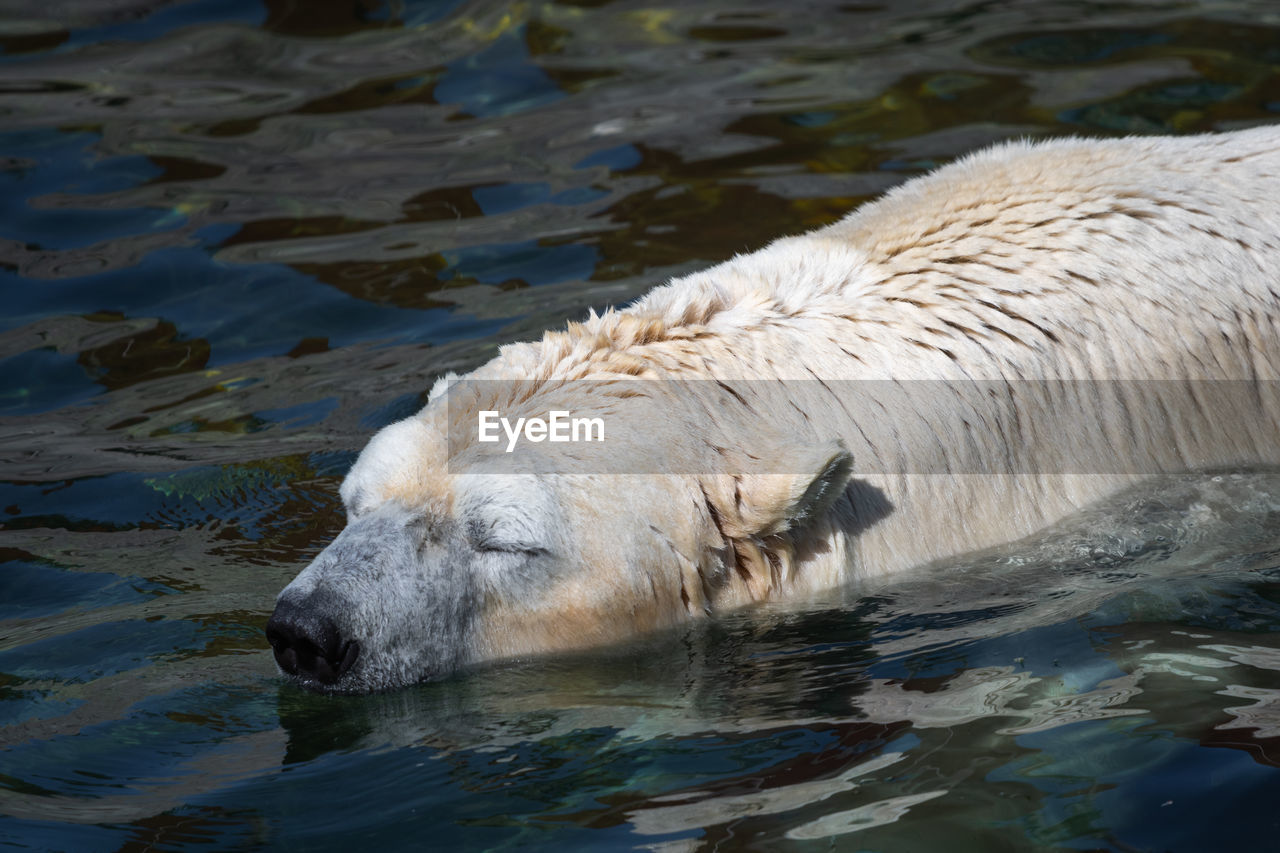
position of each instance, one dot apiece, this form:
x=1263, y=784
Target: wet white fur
x=1140, y=258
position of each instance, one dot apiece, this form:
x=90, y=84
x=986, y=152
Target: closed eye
x=487, y=539
x=492, y=547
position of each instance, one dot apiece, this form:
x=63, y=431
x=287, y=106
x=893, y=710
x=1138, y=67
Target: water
x=236, y=238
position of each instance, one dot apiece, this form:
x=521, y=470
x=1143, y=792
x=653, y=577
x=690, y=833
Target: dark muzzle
x=309, y=646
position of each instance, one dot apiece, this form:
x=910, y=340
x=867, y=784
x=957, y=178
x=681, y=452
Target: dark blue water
x=236, y=238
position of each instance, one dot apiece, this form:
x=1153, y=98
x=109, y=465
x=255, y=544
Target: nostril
x=282, y=646
x=308, y=645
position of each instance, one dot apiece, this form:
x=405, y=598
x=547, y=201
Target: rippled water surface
x=237, y=237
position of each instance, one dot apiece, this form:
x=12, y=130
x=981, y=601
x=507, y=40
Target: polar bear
x=981, y=351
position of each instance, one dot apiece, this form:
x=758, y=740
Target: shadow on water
x=236, y=238
x=1001, y=685
x=1125, y=625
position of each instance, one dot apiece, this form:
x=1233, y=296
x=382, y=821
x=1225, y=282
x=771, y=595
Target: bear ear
x=748, y=503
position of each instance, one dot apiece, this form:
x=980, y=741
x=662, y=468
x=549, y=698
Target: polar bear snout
x=391, y=601
x=308, y=645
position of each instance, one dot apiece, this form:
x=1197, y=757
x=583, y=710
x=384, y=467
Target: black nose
x=309, y=645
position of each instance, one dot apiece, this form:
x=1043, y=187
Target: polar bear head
x=447, y=560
